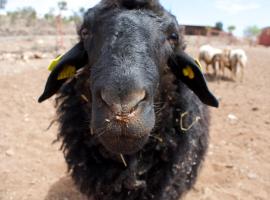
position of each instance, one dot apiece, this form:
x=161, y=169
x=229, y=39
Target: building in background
x=203, y=31
x=264, y=37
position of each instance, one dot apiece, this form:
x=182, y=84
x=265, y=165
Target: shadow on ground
x=65, y=189
x=213, y=78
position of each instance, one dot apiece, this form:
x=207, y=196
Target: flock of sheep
x=233, y=59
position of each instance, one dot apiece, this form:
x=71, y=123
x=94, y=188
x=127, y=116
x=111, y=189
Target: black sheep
x=132, y=121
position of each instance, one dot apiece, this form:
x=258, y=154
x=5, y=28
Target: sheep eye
x=84, y=33
x=173, y=40
x=174, y=36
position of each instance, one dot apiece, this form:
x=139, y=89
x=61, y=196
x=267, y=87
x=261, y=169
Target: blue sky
x=241, y=13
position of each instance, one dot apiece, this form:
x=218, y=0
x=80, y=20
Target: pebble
x=207, y=192
x=229, y=166
x=252, y=175
x=32, y=182
x=10, y=153
x=232, y=118
x=255, y=109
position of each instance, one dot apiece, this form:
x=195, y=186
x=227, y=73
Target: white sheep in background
x=234, y=60
x=210, y=56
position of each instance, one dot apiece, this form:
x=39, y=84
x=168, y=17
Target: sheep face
x=127, y=52
x=125, y=73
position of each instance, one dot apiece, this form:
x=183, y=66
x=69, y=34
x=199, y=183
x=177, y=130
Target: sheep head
x=127, y=51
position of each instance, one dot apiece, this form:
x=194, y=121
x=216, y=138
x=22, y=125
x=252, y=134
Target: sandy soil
x=238, y=162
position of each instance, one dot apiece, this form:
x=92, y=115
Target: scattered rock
x=232, y=118
x=207, y=192
x=40, y=41
x=229, y=166
x=38, y=55
x=255, y=109
x=8, y=56
x=32, y=182
x=26, y=56
x=26, y=117
x=252, y=175
x=10, y=153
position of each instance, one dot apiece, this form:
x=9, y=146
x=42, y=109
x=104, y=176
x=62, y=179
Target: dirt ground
x=32, y=168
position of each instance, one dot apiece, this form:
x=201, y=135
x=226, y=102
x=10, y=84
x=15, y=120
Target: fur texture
x=164, y=169
x=168, y=164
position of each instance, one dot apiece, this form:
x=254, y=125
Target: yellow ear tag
x=187, y=71
x=54, y=62
x=67, y=72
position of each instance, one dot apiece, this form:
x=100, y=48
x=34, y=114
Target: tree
x=231, y=28
x=29, y=14
x=62, y=5
x=252, y=31
x=25, y=14
x=50, y=16
x=77, y=17
x=82, y=11
x=219, y=26
x=3, y=4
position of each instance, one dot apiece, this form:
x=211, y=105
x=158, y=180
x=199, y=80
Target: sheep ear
x=188, y=71
x=63, y=68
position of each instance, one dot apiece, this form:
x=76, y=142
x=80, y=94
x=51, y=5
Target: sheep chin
x=123, y=144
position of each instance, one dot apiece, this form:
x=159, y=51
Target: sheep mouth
x=124, y=138
x=123, y=143
x=123, y=134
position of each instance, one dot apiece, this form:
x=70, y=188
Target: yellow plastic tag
x=54, y=62
x=187, y=71
x=67, y=72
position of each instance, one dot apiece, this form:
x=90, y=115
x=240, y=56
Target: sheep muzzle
x=124, y=133
x=122, y=116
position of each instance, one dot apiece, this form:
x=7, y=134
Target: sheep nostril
x=140, y=98
x=124, y=102
x=110, y=100
x=135, y=99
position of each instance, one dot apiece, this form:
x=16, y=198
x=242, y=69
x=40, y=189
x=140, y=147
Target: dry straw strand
x=185, y=129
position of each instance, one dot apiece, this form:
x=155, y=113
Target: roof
x=268, y=27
